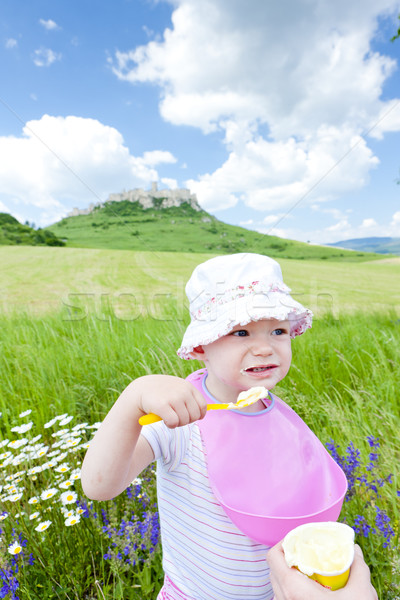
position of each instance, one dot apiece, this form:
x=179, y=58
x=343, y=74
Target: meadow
x=66, y=356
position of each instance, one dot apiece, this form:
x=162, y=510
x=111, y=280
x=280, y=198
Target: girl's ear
x=197, y=353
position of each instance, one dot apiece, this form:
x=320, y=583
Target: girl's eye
x=240, y=333
x=279, y=332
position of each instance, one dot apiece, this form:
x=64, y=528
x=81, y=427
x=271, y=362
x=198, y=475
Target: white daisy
x=4, y=443
x=67, y=512
x=25, y=413
x=36, y=438
x=40, y=453
x=3, y=516
x=68, y=497
x=33, y=500
x=80, y=426
x=48, y=465
x=5, y=455
x=34, y=447
x=61, y=417
x=22, y=428
x=43, y=526
x=57, y=444
x=35, y=470
x=19, y=459
x=50, y=423
x=70, y=444
x=60, y=432
x=18, y=443
x=66, y=484
x=62, y=456
x=54, y=453
x=49, y=493
x=63, y=468
x=66, y=420
x=15, y=497
x=73, y=520
x=34, y=515
x=14, y=548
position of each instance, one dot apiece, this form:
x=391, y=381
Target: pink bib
x=268, y=470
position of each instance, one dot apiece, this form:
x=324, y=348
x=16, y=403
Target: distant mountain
x=381, y=245
x=177, y=225
x=12, y=232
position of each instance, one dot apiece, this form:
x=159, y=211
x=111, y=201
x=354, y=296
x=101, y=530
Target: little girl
x=242, y=322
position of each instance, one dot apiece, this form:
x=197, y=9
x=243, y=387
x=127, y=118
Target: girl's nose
x=261, y=347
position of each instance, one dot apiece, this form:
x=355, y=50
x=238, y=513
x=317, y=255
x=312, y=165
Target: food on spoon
x=249, y=397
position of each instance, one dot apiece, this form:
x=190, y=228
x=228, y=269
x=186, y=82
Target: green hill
x=12, y=232
x=127, y=225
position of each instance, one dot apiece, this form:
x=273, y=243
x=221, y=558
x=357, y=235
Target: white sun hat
x=235, y=289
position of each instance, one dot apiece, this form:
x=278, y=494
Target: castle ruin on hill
x=146, y=198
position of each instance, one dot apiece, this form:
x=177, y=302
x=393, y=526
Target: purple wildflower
x=382, y=521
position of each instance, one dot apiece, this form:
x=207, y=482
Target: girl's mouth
x=258, y=370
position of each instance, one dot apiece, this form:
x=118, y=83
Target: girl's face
x=257, y=354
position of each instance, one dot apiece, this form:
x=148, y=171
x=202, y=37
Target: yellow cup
x=322, y=551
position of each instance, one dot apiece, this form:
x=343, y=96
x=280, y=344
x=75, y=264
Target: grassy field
x=135, y=283
x=69, y=365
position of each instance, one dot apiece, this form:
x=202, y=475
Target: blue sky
x=281, y=117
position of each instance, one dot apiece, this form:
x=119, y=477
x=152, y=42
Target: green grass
x=344, y=382
x=40, y=280
x=57, y=359
x=127, y=226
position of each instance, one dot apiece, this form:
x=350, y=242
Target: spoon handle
x=152, y=418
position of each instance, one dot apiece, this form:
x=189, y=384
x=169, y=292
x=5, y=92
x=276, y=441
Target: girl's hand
x=173, y=399
x=290, y=584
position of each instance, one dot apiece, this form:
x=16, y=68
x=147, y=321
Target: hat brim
x=222, y=318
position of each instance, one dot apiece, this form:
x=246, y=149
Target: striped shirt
x=205, y=555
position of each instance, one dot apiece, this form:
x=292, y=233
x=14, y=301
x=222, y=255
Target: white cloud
x=156, y=157
x=339, y=227
x=172, y=184
x=11, y=43
x=396, y=220
x=311, y=81
x=49, y=24
x=273, y=219
x=275, y=175
x=344, y=229
x=61, y=162
x=44, y=57
x=368, y=223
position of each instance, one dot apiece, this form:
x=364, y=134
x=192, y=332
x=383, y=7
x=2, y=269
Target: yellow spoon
x=244, y=399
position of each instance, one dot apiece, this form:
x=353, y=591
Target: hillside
x=126, y=225
x=12, y=232
x=381, y=245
